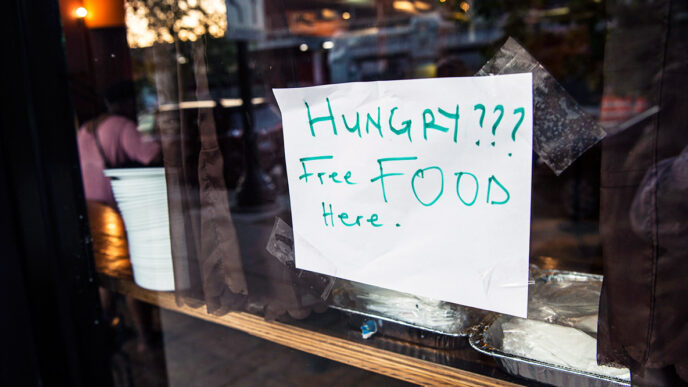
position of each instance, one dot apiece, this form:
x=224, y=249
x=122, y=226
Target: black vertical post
x=49, y=251
x=255, y=189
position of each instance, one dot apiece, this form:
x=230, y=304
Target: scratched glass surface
x=196, y=209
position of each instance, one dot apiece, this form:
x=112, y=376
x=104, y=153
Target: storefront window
x=208, y=268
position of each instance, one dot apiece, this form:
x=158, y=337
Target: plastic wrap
x=281, y=246
x=562, y=131
x=556, y=344
x=406, y=309
x=568, y=299
x=559, y=345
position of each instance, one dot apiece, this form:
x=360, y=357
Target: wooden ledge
x=359, y=355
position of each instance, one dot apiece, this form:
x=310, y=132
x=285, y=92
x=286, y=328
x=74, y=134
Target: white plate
x=138, y=188
x=150, y=248
x=157, y=263
x=148, y=211
x=158, y=282
x=147, y=225
x=133, y=208
x=149, y=272
x=134, y=172
x=145, y=250
x=130, y=194
x=159, y=225
x=143, y=180
x=153, y=266
x=142, y=223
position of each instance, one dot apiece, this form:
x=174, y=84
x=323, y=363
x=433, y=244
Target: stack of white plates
x=141, y=195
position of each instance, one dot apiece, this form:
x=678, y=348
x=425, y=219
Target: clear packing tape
x=281, y=246
x=562, y=130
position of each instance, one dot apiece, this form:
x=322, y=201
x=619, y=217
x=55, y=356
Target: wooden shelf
x=389, y=363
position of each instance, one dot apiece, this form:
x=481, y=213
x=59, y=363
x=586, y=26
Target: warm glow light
x=191, y=20
x=346, y=16
x=442, y=1
x=303, y=47
x=460, y=16
x=465, y=6
x=328, y=44
x=328, y=13
x=404, y=5
x=81, y=12
x=207, y=104
x=561, y=11
x=421, y=5
x=236, y=102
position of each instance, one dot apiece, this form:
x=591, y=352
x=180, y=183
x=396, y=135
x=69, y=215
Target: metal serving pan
x=437, y=317
x=487, y=338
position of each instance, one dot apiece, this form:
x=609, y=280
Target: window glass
x=182, y=155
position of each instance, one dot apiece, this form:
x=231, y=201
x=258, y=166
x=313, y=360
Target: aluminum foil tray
x=560, y=298
x=438, y=317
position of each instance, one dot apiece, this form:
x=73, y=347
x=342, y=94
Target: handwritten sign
x=420, y=186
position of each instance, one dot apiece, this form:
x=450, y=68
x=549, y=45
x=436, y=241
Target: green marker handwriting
x=522, y=112
x=430, y=124
x=376, y=124
x=345, y=220
x=493, y=179
x=458, y=191
x=455, y=117
x=480, y=107
x=421, y=173
x=382, y=175
x=355, y=128
x=329, y=117
x=352, y=121
x=500, y=109
x=332, y=174
x=406, y=125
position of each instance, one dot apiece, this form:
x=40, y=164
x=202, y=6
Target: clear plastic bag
x=568, y=299
x=562, y=130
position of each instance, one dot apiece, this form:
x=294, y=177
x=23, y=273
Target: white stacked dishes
x=141, y=195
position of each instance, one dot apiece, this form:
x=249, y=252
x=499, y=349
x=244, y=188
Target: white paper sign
x=420, y=186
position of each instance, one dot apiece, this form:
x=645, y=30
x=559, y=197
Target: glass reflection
x=203, y=71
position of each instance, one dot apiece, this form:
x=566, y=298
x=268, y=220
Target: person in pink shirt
x=112, y=141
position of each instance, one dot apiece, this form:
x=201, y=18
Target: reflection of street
x=238, y=10
x=301, y=43
x=200, y=353
x=193, y=352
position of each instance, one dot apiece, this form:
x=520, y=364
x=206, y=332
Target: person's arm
x=136, y=147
